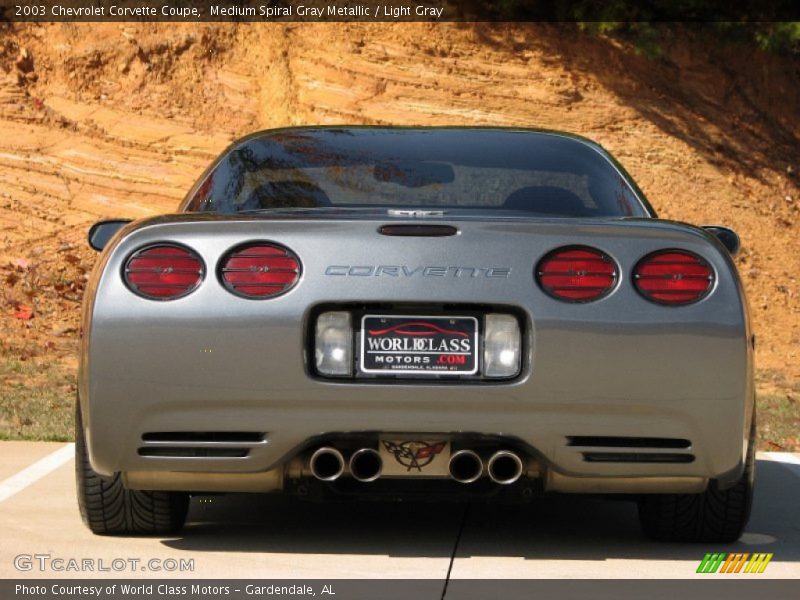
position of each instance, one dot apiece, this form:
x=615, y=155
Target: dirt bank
x=118, y=120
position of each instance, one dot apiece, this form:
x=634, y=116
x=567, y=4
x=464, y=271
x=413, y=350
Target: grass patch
x=36, y=401
x=778, y=423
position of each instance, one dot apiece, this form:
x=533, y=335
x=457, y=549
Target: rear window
x=503, y=170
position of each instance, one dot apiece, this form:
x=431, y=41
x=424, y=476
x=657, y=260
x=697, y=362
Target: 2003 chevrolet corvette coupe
x=416, y=312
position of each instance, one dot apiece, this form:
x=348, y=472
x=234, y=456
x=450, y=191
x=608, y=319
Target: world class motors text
x=222, y=10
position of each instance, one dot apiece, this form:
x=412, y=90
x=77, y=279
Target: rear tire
x=713, y=516
x=107, y=508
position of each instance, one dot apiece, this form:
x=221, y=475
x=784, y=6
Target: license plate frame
x=419, y=345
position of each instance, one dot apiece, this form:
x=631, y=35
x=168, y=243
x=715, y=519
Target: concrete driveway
x=252, y=536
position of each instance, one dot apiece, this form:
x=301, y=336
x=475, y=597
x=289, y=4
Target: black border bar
x=741, y=587
x=263, y=11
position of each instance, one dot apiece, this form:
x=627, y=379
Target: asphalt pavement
x=261, y=536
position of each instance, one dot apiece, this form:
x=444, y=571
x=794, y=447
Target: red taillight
x=577, y=274
x=673, y=277
x=164, y=272
x=260, y=270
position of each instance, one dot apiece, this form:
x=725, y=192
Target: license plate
x=409, y=457
x=419, y=345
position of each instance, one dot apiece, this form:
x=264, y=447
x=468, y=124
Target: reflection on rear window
x=539, y=173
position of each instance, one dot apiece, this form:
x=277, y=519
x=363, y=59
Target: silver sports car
x=432, y=313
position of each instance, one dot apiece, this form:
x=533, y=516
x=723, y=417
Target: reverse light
x=163, y=272
x=333, y=344
x=501, y=346
x=260, y=270
x=673, y=277
x=577, y=274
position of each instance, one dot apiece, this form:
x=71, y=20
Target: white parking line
x=792, y=461
x=17, y=483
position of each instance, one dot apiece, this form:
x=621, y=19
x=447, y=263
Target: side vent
x=205, y=436
x=599, y=441
x=181, y=452
x=201, y=444
x=618, y=449
x=637, y=457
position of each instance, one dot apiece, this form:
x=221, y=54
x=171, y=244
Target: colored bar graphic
x=711, y=562
x=758, y=563
x=727, y=562
x=741, y=563
x=738, y=562
x=734, y=563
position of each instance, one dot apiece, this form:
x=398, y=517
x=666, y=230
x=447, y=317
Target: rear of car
x=431, y=313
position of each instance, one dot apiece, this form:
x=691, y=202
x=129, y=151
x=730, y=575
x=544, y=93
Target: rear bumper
x=523, y=489
x=555, y=435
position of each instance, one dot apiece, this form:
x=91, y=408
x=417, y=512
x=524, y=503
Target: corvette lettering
x=417, y=271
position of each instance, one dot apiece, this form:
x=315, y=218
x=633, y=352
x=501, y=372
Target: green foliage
x=779, y=37
x=644, y=23
x=645, y=36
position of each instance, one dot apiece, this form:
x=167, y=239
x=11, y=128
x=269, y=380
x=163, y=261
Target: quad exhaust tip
x=465, y=466
x=326, y=464
x=366, y=465
x=504, y=467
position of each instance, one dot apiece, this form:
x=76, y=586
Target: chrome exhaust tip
x=366, y=465
x=465, y=466
x=504, y=467
x=326, y=464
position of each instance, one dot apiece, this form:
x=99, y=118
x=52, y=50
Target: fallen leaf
x=24, y=312
x=62, y=331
